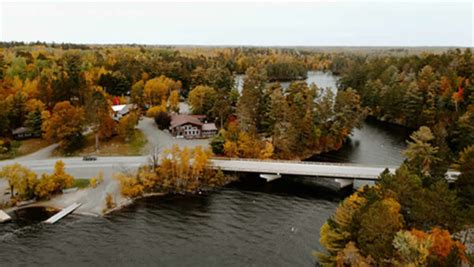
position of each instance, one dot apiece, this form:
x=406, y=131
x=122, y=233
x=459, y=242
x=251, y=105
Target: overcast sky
x=309, y=24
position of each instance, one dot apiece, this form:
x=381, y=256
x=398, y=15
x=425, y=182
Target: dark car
x=89, y=158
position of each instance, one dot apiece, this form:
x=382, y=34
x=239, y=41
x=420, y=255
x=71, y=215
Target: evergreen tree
x=421, y=155
x=249, y=103
x=34, y=122
x=413, y=105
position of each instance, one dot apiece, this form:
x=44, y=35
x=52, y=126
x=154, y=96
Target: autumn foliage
x=65, y=122
x=380, y=224
x=24, y=183
x=179, y=171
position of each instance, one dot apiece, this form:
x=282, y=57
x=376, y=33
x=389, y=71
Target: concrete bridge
x=344, y=174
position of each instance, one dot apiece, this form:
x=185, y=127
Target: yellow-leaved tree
x=126, y=127
x=20, y=179
x=54, y=183
x=173, y=101
x=158, y=89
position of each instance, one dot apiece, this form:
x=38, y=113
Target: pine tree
x=34, y=122
x=413, y=105
x=250, y=102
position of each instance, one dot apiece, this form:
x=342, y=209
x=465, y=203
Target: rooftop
x=209, y=127
x=177, y=120
x=118, y=107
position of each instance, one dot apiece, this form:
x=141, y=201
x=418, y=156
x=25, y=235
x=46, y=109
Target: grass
x=24, y=147
x=116, y=146
x=81, y=183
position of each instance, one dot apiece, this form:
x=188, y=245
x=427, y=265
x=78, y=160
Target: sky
x=246, y=23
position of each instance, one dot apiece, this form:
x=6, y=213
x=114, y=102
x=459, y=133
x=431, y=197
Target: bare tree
x=154, y=157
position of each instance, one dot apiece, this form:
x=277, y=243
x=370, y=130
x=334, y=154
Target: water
x=322, y=79
x=376, y=143
x=248, y=223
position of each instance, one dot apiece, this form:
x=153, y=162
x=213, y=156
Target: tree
x=54, y=183
x=153, y=111
x=158, y=89
x=202, y=99
x=162, y=120
x=126, y=126
x=34, y=122
x=174, y=101
x=17, y=108
x=137, y=94
x=217, y=144
x=65, y=125
x=412, y=247
x=71, y=83
x=4, y=118
x=420, y=153
x=19, y=178
x=115, y=83
x=465, y=181
x=249, y=107
x=378, y=225
x=337, y=232
x=99, y=114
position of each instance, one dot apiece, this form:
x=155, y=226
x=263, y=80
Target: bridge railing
x=303, y=162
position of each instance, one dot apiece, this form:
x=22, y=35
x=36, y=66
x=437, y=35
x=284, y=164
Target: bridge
x=344, y=174
x=301, y=168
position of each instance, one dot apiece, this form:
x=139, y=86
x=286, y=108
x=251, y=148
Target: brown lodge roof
x=177, y=120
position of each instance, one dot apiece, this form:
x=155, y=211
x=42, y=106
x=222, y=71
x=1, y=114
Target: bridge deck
x=300, y=168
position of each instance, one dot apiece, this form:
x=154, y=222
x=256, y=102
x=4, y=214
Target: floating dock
x=4, y=217
x=63, y=213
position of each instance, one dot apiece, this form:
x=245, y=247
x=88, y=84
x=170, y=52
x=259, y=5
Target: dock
x=4, y=217
x=63, y=213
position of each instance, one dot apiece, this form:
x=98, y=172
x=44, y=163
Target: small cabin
x=22, y=133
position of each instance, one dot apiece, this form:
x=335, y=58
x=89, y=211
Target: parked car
x=89, y=158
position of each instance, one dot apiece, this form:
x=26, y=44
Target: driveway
x=163, y=139
x=43, y=153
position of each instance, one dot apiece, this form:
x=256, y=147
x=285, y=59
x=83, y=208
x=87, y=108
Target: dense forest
x=61, y=91
x=413, y=217
x=434, y=90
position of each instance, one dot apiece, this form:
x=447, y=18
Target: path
x=43, y=153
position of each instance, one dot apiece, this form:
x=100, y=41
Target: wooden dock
x=4, y=217
x=63, y=213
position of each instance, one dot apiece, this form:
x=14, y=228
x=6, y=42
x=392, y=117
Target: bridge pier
x=344, y=182
x=270, y=177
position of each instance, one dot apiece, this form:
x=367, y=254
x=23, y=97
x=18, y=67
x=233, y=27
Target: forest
x=59, y=92
x=413, y=217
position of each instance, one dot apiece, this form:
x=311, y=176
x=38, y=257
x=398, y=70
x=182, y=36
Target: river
x=248, y=223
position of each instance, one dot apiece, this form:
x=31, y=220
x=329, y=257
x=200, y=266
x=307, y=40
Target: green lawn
x=81, y=183
x=115, y=146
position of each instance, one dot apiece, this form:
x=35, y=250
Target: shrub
x=162, y=120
